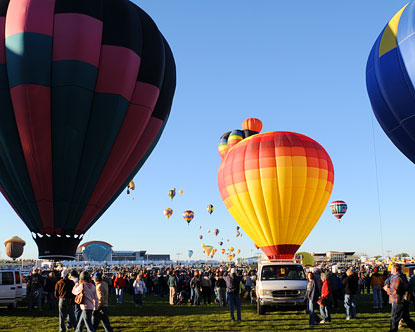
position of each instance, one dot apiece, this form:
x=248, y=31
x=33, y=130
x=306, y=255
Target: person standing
x=49, y=289
x=325, y=300
x=350, y=285
x=232, y=291
x=172, y=284
x=74, y=276
x=376, y=282
x=35, y=286
x=63, y=292
x=312, y=295
x=89, y=302
x=396, y=288
x=195, y=285
x=119, y=284
x=206, y=284
x=221, y=290
x=248, y=286
x=139, y=288
x=101, y=314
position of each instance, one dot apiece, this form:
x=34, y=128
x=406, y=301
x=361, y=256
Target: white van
x=12, y=288
x=279, y=283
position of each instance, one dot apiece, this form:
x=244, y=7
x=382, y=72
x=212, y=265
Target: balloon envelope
x=390, y=77
x=172, y=193
x=14, y=247
x=210, y=208
x=190, y=253
x=216, y=231
x=306, y=258
x=208, y=250
x=276, y=186
x=168, y=212
x=188, y=216
x=338, y=209
x=87, y=88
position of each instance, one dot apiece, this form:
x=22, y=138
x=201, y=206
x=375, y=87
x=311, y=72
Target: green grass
x=157, y=315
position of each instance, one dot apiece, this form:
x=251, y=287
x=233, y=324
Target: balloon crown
x=251, y=126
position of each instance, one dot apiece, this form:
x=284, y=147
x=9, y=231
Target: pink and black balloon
x=86, y=90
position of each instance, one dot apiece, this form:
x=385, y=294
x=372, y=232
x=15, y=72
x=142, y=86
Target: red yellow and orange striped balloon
x=276, y=186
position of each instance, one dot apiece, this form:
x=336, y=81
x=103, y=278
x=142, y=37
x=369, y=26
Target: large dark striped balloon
x=86, y=88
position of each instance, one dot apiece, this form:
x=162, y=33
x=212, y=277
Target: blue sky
x=296, y=65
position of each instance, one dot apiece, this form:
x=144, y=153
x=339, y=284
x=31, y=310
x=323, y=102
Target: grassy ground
x=157, y=315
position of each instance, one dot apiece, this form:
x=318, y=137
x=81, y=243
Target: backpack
x=80, y=297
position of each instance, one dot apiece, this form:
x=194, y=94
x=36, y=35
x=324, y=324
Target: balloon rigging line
x=377, y=182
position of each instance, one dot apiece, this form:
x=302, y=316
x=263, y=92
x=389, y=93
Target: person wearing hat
x=89, y=301
x=232, y=291
x=63, y=293
x=101, y=314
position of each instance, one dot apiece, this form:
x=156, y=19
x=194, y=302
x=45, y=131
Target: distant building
x=102, y=251
x=333, y=257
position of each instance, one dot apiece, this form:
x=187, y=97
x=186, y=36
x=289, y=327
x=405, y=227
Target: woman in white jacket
x=89, y=302
x=139, y=288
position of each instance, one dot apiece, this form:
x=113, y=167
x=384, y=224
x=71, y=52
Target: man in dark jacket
x=312, y=295
x=172, y=283
x=195, y=285
x=63, y=292
x=350, y=285
x=233, y=282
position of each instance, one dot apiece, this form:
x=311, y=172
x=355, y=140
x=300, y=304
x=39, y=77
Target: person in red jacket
x=325, y=299
x=119, y=284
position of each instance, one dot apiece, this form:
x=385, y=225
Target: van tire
x=261, y=309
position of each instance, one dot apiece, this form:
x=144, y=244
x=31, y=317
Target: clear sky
x=296, y=65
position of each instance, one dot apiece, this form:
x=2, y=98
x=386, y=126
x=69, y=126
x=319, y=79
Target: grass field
x=157, y=315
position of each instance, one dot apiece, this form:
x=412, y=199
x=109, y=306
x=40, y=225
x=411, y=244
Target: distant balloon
x=200, y=236
x=237, y=228
x=210, y=208
x=220, y=243
x=230, y=257
x=188, y=216
x=168, y=212
x=306, y=258
x=231, y=249
x=190, y=253
x=14, y=247
x=172, y=193
x=131, y=186
x=200, y=227
x=222, y=251
x=208, y=230
x=181, y=192
x=207, y=249
x=238, y=251
x=338, y=209
x=216, y=231
x=237, y=234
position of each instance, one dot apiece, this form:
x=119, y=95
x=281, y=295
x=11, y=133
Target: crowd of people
x=221, y=285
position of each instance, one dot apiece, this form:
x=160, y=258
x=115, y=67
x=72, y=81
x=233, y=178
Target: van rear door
x=20, y=292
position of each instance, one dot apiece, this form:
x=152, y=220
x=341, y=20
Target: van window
x=17, y=277
x=6, y=278
x=282, y=272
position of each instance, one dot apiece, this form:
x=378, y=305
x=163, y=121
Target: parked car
x=12, y=287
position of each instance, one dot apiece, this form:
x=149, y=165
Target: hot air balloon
x=237, y=234
x=231, y=249
x=207, y=250
x=208, y=230
x=238, y=251
x=188, y=216
x=190, y=253
x=220, y=243
x=168, y=212
x=82, y=108
x=216, y=231
x=215, y=250
x=276, y=186
x=14, y=247
x=338, y=209
x=210, y=208
x=233, y=255
x=181, y=192
x=306, y=258
x=131, y=186
x=200, y=236
x=172, y=193
x=230, y=257
x=212, y=253
x=390, y=76
x=237, y=228
x=256, y=246
x=222, y=251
